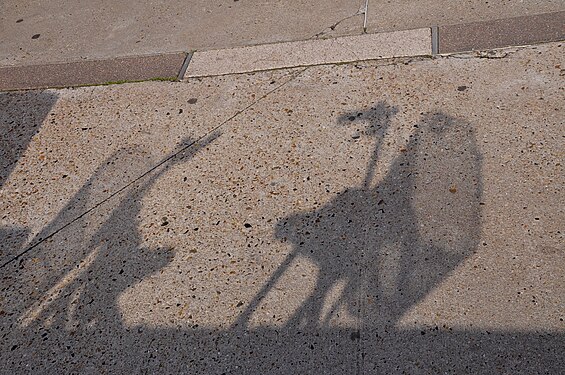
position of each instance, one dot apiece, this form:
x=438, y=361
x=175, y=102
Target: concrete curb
x=519, y=31
x=310, y=52
x=92, y=72
x=548, y=27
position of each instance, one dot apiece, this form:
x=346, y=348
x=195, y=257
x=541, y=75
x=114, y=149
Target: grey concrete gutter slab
x=516, y=31
x=92, y=72
x=310, y=52
x=385, y=15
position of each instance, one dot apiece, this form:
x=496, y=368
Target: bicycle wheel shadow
x=78, y=278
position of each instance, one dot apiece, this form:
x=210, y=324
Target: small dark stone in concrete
x=192, y=101
x=36, y=36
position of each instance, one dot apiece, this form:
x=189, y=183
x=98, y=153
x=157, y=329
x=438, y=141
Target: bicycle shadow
x=79, y=279
x=388, y=242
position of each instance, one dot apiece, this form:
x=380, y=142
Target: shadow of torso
x=390, y=244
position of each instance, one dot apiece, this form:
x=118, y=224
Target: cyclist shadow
x=384, y=246
x=388, y=242
x=80, y=283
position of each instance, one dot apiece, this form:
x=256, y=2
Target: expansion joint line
x=361, y=308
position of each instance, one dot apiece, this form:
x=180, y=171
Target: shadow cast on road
x=21, y=117
x=387, y=242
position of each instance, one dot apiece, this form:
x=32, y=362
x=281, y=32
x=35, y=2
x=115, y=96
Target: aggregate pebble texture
x=54, y=141
x=398, y=216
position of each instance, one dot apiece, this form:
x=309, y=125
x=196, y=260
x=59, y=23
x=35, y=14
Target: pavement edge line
x=435, y=40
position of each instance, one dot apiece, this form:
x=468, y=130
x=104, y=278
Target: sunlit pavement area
x=40, y=32
x=384, y=217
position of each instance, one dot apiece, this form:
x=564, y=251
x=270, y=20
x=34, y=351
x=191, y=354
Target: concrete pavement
x=394, y=216
x=35, y=32
x=427, y=41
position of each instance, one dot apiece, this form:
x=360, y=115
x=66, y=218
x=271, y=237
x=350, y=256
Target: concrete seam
x=365, y=11
x=384, y=59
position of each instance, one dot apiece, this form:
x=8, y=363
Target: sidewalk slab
x=102, y=29
x=70, y=31
x=310, y=52
x=517, y=31
x=94, y=72
x=370, y=217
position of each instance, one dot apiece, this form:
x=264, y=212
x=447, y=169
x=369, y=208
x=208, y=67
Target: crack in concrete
x=360, y=11
x=494, y=54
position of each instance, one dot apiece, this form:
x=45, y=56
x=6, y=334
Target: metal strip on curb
x=435, y=40
x=184, y=66
x=310, y=52
x=518, y=31
x=92, y=72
